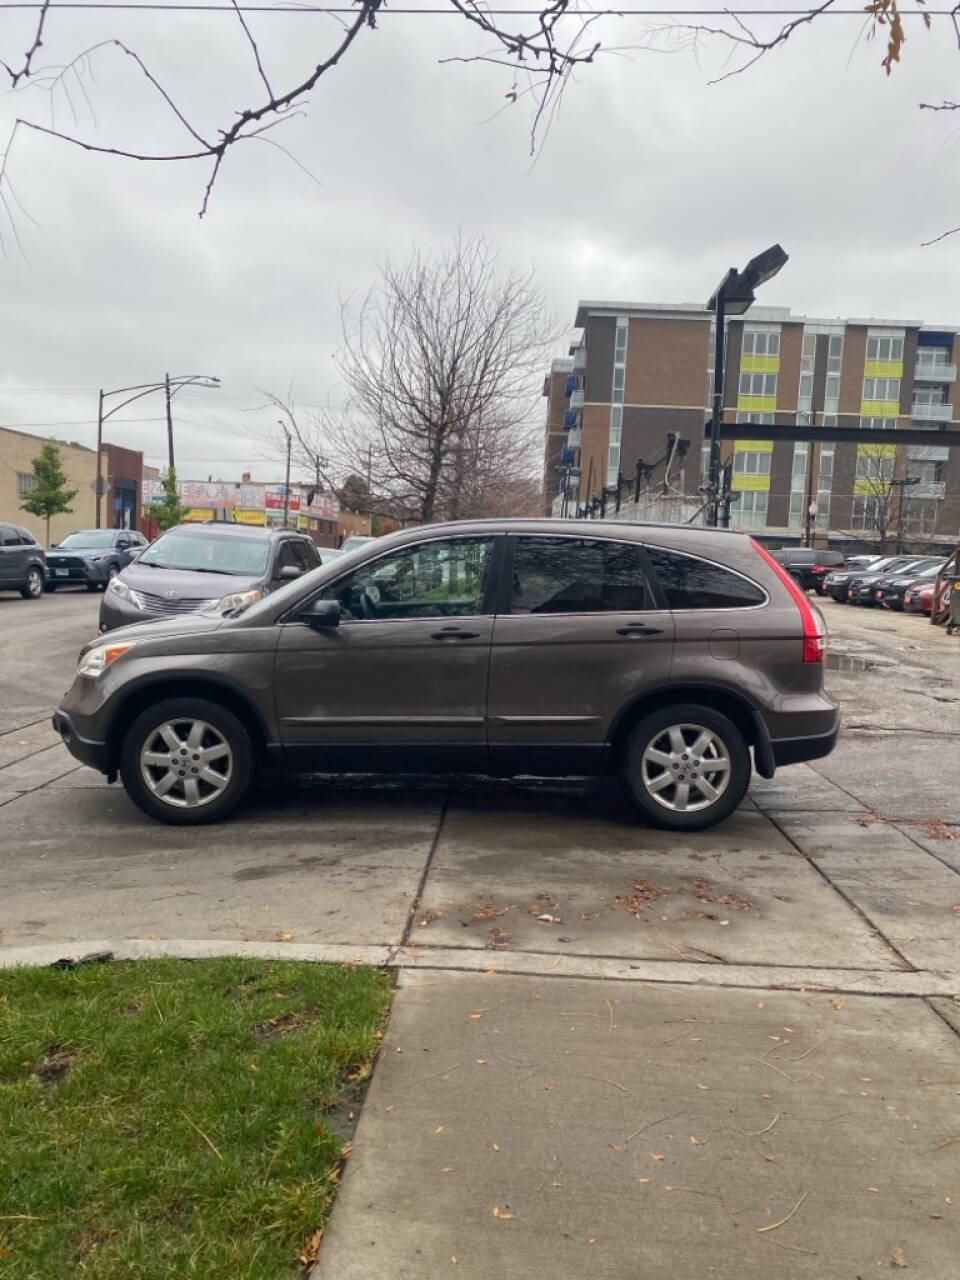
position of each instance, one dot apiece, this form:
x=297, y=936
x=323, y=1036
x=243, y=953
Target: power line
x=303, y=10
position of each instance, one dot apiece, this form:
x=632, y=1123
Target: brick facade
x=17, y=451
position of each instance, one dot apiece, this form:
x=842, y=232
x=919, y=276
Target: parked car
x=808, y=566
x=357, y=540
x=329, y=554
x=662, y=653
x=863, y=563
x=918, y=598
x=23, y=564
x=862, y=588
x=91, y=557
x=837, y=583
x=890, y=591
x=196, y=567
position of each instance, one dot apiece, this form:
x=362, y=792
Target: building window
x=835, y=353
x=758, y=419
x=881, y=389
x=876, y=424
x=865, y=513
x=809, y=352
x=928, y=395
x=806, y=389
x=933, y=357
x=750, y=512
x=752, y=462
x=760, y=343
x=920, y=517
x=884, y=349
x=925, y=472
x=872, y=467
x=26, y=481
x=758, y=384
x=831, y=390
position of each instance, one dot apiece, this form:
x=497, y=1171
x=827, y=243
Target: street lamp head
x=764, y=266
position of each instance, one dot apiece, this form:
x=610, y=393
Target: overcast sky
x=650, y=184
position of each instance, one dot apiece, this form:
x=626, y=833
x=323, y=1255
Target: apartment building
x=640, y=371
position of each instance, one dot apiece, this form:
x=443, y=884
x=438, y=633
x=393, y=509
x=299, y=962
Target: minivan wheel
x=186, y=761
x=686, y=766
x=32, y=588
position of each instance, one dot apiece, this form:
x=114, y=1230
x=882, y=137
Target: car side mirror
x=321, y=613
x=136, y=553
x=289, y=572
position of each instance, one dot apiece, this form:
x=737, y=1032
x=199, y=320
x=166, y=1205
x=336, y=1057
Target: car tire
x=820, y=590
x=656, y=733
x=33, y=584
x=191, y=800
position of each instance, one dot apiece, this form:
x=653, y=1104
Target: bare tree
x=442, y=360
x=875, y=487
x=539, y=48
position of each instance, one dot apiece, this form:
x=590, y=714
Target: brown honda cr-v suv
x=664, y=653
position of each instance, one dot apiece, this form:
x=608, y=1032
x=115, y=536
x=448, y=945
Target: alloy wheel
x=35, y=583
x=686, y=767
x=186, y=763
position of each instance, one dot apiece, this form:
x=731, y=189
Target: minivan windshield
x=88, y=538
x=207, y=553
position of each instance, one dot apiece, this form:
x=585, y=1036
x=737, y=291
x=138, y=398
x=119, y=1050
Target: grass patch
x=168, y=1118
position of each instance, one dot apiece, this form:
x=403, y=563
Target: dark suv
x=808, y=566
x=665, y=653
x=196, y=568
x=23, y=565
x=91, y=557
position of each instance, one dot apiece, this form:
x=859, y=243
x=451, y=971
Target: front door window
x=439, y=579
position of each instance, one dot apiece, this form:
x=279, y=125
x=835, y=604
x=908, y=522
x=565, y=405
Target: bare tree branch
x=24, y=72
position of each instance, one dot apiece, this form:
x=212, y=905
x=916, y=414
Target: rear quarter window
x=688, y=582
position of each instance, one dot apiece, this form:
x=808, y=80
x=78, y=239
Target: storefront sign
x=242, y=516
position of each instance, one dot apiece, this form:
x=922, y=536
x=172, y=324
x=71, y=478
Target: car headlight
x=95, y=661
x=236, y=600
x=101, y=556
x=120, y=589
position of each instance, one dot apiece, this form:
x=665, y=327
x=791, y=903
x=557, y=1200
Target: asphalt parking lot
x=831, y=901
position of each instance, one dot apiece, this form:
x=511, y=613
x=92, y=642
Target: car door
x=582, y=633
x=13, y=557
x=401, y=683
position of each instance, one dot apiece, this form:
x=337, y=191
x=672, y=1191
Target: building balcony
x=927, y=489
x=935, y=373
x=932, y=412
x=579, y=359
x=576, y=400
x=928, y=453
x=575, y=438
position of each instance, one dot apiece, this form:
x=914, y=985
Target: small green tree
x=170, y=510
x=49, y=495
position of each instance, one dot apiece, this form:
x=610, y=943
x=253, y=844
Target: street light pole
x=734, y=294
x=99, y=456
x=166, y=390
x=286, y=486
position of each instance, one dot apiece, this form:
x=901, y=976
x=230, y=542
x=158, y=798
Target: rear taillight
x=814, y=639
x=821, y=568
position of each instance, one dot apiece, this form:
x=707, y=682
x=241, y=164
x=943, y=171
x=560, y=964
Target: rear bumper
x=93, y=754
x=812, y=747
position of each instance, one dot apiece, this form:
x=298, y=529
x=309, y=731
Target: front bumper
x=811, y=747
x=93, y=754
x=90, y=573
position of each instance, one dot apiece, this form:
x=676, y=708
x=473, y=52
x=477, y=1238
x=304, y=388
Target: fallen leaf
x=897, y=1258
x=481, y=1062
x=453, y=1257
x=254, y=1067
x=695, y=1141
x=669, y=1188
x=496, y=1146
x=956, y=908
x=759, y=1004
x=837, y=1004
x=643, y=1179
x=873, y=1188
x=502, y=1213
x=284, y=937
x=390, y=1108
x=438, y=1129
x=656, y=1155
x=548, y=1086
x=770, y=1159
x=478, y=1013
x=449, y=1168
x=307, y=1256
x=703, y=1086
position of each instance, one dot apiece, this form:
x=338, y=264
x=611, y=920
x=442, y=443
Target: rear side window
x=26, y=537
x=9, y=536
x=688, y=582
x=578, y=575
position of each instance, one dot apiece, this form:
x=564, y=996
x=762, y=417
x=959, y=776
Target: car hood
x=163, y=628
x=80, y=551
x=187, y=583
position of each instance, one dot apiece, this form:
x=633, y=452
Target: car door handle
x=638, y=629
x=453, y=633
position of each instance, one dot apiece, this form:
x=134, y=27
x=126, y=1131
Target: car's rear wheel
x=686, y=766
x=186, y=761
x=32, y=588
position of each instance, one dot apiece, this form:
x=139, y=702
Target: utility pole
x=286, y=485
x=166, y=389
x=99, y=456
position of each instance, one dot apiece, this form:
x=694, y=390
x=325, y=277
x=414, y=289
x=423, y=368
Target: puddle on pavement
x=844, y=662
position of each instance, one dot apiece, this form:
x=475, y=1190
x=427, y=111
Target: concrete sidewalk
x=560, y=1128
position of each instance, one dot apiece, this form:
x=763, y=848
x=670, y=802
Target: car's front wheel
x=686, y=766
x=186, y=761
x=32, y=588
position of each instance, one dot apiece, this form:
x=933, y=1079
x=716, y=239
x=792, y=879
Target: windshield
x=88, y=538
x=207, y=553
x=356, y=540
